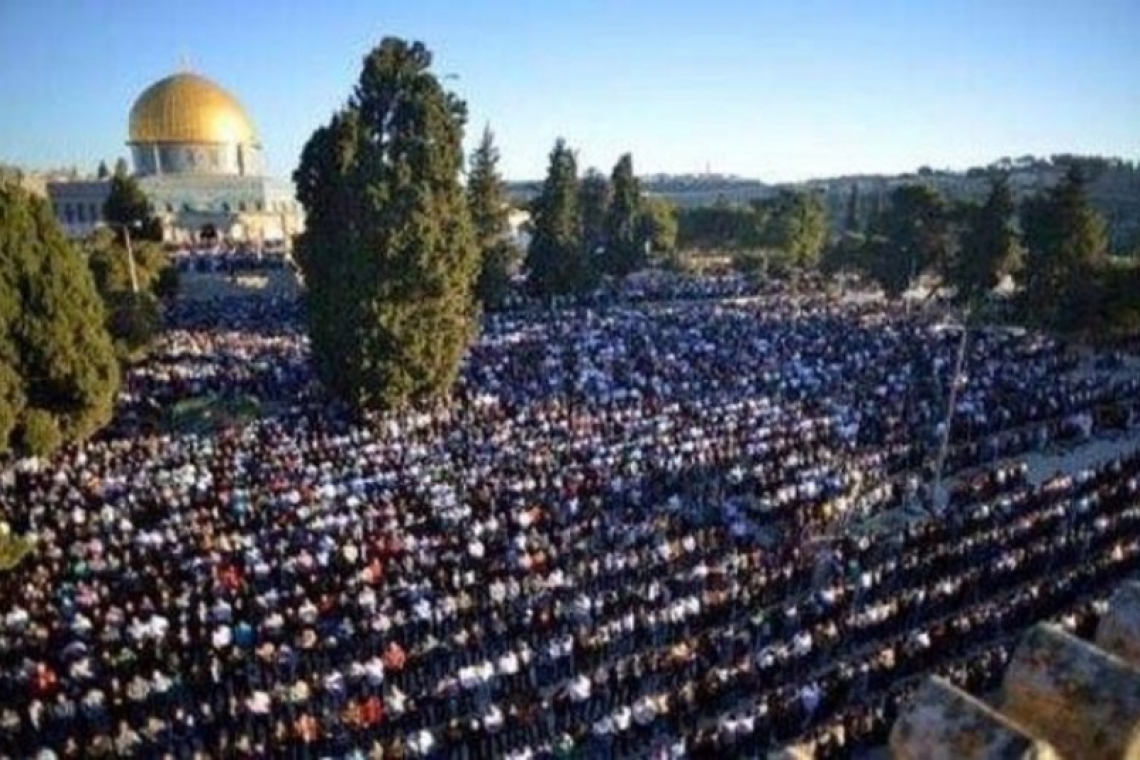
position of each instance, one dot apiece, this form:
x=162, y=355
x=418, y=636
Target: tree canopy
x=797, y=227
x=557, y=262
x=790, y=226
x=721, y=226
x=133, y=319
x=58, y=374
x=389, y=255
x=1065, y=241
x=909, y=237
x=127, y=207
x=988, y=249
x=487, y=200
x=594, y=197
x=625, y=248
x=658, y=223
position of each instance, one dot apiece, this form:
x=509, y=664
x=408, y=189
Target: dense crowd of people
x=638, y=528
x=230, y=260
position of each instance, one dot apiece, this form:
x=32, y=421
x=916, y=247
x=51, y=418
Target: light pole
x=126, y=228
x=938, y=497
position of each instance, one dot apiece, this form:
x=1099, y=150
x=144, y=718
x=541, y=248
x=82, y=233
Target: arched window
x=82, y=213
x=68, y=213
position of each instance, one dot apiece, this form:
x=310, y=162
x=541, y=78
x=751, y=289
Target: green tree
x=798, y=227
x=851, y=212
x=911, y=236
x=658, y=223
x=499, y=265
x=625, y=248
x=110, y=266
x=757, y=233
x=881, y=262
x=58, y=375
x=127, y=207
x=556, y=260
x=719, y=227
x=168, y=282
x=103, y=172
x=845, y=254
x=594, y=199
x=389, y=256
x=988, y=249
x=1065, y=241
x=133, y=319
x=487, y=200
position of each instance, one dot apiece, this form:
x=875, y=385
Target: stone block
x=1119, y=630
x=1083, y=701
x=792, y=752
x=945, y=723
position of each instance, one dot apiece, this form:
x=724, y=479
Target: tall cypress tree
x=625, y=250
x=556, y=260
x=988, y=249
x=1065, y=241
x=487, y=199
x=909, y=237
x=58, y=375
x=388, y=256
x=594, y=203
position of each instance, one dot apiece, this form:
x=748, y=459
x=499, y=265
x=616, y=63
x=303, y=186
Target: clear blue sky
x=774, y=89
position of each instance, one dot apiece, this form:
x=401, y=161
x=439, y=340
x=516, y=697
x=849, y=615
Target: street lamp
x=126, y=228
x=939, y=497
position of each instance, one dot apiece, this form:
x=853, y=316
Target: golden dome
x=187, y=108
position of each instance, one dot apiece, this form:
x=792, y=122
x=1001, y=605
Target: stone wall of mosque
x=241, y=208
x=191, y=227
x=78, y=204
x=154, y=159
x=208, y=194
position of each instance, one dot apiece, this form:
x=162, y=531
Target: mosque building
x=197, y=156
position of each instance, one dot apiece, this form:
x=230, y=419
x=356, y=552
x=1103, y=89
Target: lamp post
x=939, y=497
x=126, y=228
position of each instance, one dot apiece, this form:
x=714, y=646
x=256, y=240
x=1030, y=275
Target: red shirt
x=372, y=712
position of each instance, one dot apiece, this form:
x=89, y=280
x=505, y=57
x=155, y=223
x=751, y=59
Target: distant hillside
x=1114, y=189
x=684, y=190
